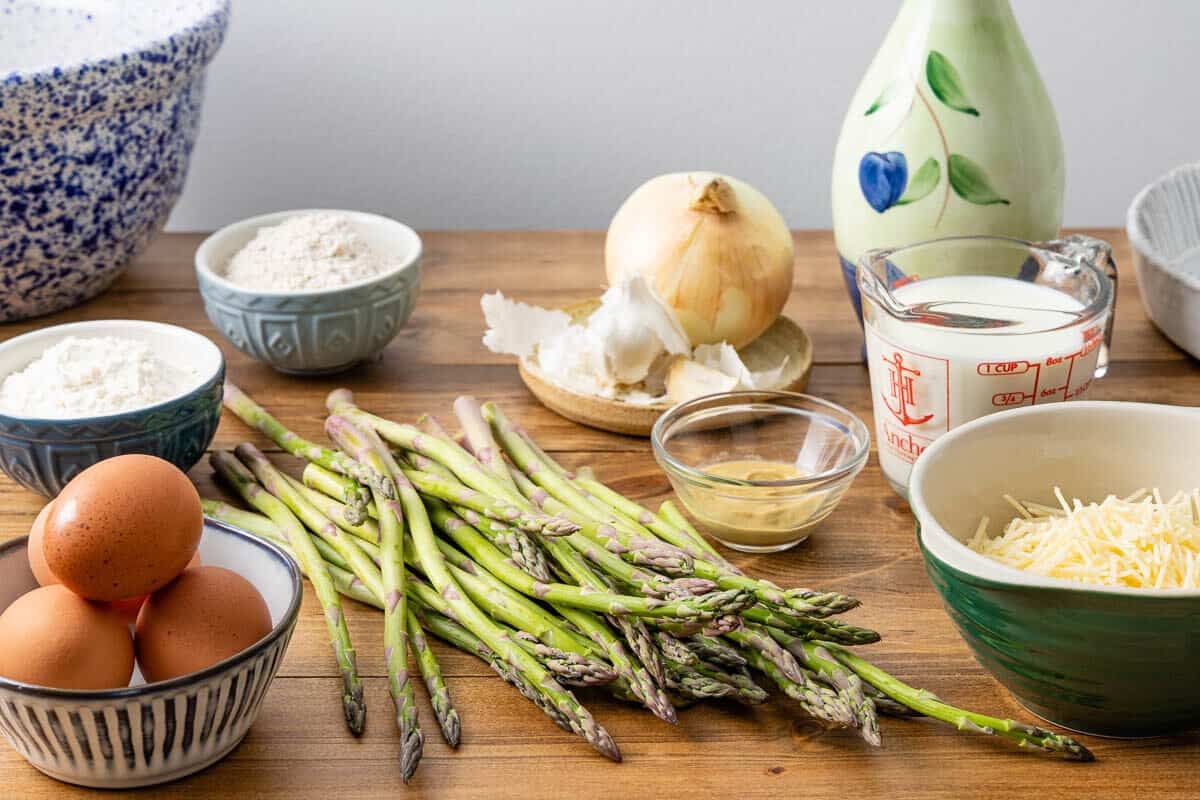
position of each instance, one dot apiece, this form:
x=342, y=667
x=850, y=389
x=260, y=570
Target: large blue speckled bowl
x=99, y=106
x=1106, y=660
x=45, y=454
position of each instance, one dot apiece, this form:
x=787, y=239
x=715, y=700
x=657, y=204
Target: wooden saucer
x=783, y=338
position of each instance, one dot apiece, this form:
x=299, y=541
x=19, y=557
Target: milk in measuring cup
x=926, y=379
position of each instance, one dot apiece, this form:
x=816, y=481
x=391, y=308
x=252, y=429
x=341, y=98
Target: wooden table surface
x=299, y=747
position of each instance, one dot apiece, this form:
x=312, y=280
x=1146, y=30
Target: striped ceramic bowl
x=152, y=733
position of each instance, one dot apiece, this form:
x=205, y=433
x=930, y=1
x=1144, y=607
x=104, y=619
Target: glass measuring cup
x=969, y=325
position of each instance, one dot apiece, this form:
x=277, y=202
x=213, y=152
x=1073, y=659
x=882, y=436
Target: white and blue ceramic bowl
x=157, y=732
x=44, y=454
x=99, y=105
x=319, y=331
x=1164, y=231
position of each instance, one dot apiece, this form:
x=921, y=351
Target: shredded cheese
x=1140, y=541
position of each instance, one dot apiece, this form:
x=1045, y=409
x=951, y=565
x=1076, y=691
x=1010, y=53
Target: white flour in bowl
x=311, y=251
x=92, y=377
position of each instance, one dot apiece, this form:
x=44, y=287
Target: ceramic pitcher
x=950, y=132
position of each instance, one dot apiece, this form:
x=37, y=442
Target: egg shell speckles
x=52, y=637
x=204, y=616
x=122, y=528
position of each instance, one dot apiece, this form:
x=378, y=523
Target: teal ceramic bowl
x=1107, y=661
x=44, y=454
x=318, y=331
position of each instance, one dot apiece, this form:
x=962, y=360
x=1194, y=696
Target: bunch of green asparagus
x=553, y=579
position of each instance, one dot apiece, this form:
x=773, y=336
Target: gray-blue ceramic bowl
x=156, y=732
x=319, y=331
x=44, y=454
x=99, y=105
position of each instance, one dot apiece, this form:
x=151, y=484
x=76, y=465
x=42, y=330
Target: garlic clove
x=688, y=379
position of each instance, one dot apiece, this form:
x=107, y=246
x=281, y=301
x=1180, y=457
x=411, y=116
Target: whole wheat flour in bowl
x=308, y=252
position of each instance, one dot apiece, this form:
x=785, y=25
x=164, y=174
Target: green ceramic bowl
x=1108, y=661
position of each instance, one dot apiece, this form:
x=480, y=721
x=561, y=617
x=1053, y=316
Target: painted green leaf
x=924, y=180
x=970, y=182
x=947, y=83
x=884, y=98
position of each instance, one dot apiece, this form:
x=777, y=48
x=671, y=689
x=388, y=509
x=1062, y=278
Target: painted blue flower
x=883, y=178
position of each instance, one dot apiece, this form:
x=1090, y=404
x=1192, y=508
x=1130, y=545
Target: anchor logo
x=902, y=391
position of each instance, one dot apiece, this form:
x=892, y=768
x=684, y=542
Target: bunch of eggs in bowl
x=120, y=584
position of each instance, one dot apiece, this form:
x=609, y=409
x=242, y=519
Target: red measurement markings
x=1005, y=367
x=1008, y=399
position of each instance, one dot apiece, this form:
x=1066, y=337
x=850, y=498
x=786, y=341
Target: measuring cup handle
x=1110, y=270
x=1098, y=253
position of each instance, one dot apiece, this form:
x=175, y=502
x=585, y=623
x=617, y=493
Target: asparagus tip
x=411, y=747
x=355, y=709
x=451, y=727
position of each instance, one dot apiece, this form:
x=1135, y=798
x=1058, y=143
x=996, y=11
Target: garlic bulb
x=713, y=248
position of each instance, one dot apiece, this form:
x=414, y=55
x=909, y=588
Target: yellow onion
x=713, y=248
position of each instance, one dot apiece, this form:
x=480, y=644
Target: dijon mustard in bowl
x=760, y=470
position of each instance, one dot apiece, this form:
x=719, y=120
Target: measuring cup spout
x=877, y=276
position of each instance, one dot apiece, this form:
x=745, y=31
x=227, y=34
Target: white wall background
x=545, y=114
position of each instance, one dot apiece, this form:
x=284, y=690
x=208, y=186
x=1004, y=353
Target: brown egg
x=53, y=637
x=122, y=528
x=35, y=550
x=205, y=615
x=129, y=607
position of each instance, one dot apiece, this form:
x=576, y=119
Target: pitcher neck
x=960, y=10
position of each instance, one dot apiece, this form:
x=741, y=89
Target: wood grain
x=299, y=747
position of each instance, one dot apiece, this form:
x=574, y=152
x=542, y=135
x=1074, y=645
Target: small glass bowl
x=823, y=441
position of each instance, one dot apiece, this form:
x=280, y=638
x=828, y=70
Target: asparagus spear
x=435, y=683
x=756, y=638
x=747, y=691
x=817, y=658
x=310, y=561
x=367, y=530
x=633, y=536
x=366, y=448
x=577, y=666
x=811, y=628
x=718, y=652
x=887, y=706
x=332, y=484
x=703, y=607
x=434, y=566
x=691, y=683
x=257, y=417
x=558, y=496
x=645, y=581
x=450, y=631
x=644, y=682
x=257, y=524
x=348, y=547
x=1024, y=735
x=533, y=521
x=819, y=701
x=345, y=582
x=515, y=542
x=570, y=668
x=479, y=435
